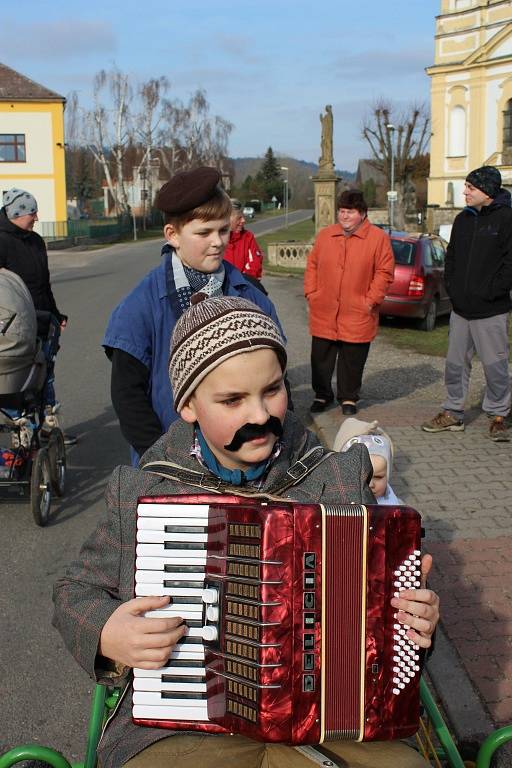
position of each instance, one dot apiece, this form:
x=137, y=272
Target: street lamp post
x=285, y=190
x=392, y=195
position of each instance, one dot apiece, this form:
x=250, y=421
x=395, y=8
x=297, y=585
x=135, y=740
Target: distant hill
x=299, y=174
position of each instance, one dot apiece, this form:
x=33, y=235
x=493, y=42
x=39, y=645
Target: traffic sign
x=392, y=195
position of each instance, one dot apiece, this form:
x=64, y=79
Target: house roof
x=16, y=87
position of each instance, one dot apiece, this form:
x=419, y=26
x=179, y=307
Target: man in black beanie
x=478, y=277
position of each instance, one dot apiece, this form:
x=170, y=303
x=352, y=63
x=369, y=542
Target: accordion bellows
x=291, y=637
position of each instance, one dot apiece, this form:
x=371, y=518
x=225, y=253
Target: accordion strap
x=208, y=482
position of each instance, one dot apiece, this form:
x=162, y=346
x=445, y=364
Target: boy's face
x=379, y=481
x=200, y=244
x=245, y=389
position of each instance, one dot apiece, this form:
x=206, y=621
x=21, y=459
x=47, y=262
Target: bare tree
x=147, y=122
x=412, y=137
x=192, y=136
x=106, y=131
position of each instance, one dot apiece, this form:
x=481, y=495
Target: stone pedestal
x=325, y=199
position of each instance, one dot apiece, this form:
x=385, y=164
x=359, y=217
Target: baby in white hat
x=380, y=448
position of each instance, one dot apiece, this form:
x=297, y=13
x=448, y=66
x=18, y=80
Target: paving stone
x=462, y=485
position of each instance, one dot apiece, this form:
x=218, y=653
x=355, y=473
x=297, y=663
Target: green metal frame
x=491, y=744
x=104, y=700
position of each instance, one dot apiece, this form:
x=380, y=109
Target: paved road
x=45, y=695
x=262, y=226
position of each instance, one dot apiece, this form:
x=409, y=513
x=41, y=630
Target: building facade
x=32, y=143
x=471, y=96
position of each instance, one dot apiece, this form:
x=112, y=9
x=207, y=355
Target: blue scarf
x=182, y=281
x=231, y=476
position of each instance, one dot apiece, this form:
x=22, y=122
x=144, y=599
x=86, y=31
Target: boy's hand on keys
x=418, y=609
x=132, y=639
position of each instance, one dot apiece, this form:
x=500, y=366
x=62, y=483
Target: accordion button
x=212, y=613
x=210, y=596
x=417, y=552
x=210, y=633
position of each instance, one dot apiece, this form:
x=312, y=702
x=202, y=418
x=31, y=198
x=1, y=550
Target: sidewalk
x=462, y=485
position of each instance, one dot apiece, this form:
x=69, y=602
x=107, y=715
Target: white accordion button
x=210, y=596
x=209, y=633
x=406, y=575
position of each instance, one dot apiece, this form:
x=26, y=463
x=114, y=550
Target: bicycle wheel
x=40, y=487
x=57, y=457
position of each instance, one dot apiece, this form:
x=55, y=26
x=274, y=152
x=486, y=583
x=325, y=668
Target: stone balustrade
x=289, y=254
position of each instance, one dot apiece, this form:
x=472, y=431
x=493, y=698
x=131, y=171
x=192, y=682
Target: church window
x=507, y=126
x=457, y=132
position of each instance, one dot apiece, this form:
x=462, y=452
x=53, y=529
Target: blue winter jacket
x=142, y=324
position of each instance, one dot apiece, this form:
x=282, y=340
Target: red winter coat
x=344, y=277
x=244, y=253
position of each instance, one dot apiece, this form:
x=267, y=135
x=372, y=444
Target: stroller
x=25, y=463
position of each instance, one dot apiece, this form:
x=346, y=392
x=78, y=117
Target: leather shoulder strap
x=306, y=464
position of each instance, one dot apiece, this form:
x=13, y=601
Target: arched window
x=457, y=132
x=507, y=126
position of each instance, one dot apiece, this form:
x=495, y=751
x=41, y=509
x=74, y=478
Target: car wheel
x=429, y=321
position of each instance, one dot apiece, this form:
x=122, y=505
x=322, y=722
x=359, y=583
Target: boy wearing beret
x=196, y=228
x=227, y=369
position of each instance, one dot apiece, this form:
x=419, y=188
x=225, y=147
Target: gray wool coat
x=103, y=575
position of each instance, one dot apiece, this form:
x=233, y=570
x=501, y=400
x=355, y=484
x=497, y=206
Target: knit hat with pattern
x=17, y=203
x=212, y=331
x=487, y=179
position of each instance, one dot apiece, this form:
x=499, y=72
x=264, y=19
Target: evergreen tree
x=270, y=170
x=269, y=176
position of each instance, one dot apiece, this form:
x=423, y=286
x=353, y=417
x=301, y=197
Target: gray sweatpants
x=489, y=339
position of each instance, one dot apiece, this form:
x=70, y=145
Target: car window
x=427, y=253
x=438, y=254
x=403, y=252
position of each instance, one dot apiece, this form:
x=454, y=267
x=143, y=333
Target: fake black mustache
x=251, y=431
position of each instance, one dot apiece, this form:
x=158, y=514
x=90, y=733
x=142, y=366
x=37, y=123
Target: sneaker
x=498, y=430
x=23, y=437
x=443, y=422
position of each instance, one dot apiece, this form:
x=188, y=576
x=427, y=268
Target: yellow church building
x=471, y=97
x=32, y=143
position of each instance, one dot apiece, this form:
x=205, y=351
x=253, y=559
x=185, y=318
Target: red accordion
x=291, y=635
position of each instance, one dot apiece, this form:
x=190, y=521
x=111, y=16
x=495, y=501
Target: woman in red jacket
x=347, y=276
x=242, y=249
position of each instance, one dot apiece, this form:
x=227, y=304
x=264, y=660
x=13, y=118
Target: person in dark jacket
x=196, y=227
x=23, y=251
x=235, y=434
x=478, y=277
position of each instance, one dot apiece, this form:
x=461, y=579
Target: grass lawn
x=404, y=335
x=301, y=233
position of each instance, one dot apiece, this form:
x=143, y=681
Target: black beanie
x=487, y=179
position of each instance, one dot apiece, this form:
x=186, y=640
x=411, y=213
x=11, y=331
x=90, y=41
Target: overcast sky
x=269, y=67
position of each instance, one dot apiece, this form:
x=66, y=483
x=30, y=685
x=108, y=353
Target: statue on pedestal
x=326, y=160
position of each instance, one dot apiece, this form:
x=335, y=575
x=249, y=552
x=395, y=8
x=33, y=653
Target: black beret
x=187, y=190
